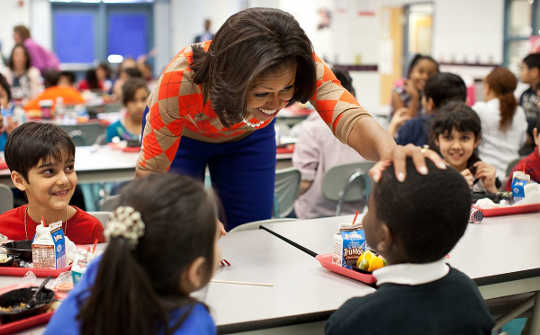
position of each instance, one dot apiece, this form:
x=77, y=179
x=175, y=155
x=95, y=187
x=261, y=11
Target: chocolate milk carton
x=49, y=247
x=349, y=244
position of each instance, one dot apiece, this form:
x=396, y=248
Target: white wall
x=12, y=15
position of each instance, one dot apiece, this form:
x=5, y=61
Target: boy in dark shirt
x=440, y=89
x=414, y=224
x=530, y=74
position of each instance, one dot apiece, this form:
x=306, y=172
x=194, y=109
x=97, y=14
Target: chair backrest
x=257, y=224
x=347, y=183
x=511, y=165
x=285, y=191
x=6, y=198
x=103, y=217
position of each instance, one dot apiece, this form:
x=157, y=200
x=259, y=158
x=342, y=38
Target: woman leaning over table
x=216, y=101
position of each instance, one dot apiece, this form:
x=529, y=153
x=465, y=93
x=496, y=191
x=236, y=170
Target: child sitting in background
x=53, y=91
x=90, y=81
x=530, y=164
x=456, y=133
x=41, y=158
x=413, y=224
x=503, y=121
x=134, y=95
x=440, y=89
x=162, y=246
x=316, y=151
x=530, y=75
x=6, y=126
x=67, y=78
x=409, y=96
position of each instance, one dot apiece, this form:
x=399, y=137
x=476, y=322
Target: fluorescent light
x=114, y=59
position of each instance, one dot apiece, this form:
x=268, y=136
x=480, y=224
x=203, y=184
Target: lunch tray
x=510, y=210
x=17, y=326
x=326, y=262
x=20, y=272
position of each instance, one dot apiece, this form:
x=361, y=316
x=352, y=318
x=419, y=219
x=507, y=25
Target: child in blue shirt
x=5, y=98
x=134, y=94
x=162, y=245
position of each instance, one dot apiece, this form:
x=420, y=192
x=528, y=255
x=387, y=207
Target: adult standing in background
x=42, y=59
x=215, y=105
x=206, y=34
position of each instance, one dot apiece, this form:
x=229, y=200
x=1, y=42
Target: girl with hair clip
x=162, y=245
x=407, y=99
x=456, y=133
x=503, y=121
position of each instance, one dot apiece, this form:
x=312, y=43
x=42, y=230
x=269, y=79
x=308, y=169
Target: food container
x=20, y=249
x=13, y=303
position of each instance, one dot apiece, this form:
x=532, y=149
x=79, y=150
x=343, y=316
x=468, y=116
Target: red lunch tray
x=326, y=262
x=3, y=164
x=20, y=272
x=115, y=146
x=288, y=149
x=511, y=210
x=17, y=326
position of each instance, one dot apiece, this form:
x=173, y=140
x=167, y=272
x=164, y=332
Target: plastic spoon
x=33, y=301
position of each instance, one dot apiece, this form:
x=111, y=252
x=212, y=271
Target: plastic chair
x=285, y=191
x=257, y=224
x=347, y=183
x=6, y=198
x=103, y=217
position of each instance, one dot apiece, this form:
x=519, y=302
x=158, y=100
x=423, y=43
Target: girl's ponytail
x=503, y=83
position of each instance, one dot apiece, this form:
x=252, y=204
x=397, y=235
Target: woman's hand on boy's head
x=487, y=174
x=399, y=159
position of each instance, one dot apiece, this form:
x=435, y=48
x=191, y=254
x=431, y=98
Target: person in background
x=407, y=99
x=41, y=58
x=127, y=69
x=530, y=75
x=41, y=158
x=440, y=89
x=53, y=91
x=67, y=78
x=316, y=151
x=162, y=246
x=456, y=133
x=134, y=95
x=530, y=164
x=504, y=123
x=6, y=125
x=206, y=35
x=103, y=72
x=147, y=73
x=414, y=224
x=90, y=81
x=24, y=79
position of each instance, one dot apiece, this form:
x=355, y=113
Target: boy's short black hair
x=33, y=141
x=130, y=87
x=51, y=77
x=532, y=60
x=70, y=75
x=5, y=86
x=428, y=214
x=444, y=87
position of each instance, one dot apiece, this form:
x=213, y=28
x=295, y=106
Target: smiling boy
x=41, y=159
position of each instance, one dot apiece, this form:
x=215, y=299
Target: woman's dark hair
x=345, y=78
x=136, y=290
x=459, y=116
x=503, y=83
x=28, y=62
x=416, y=59
x=33, y=141
x=5, y=86
x=532, y=61
x=91, y=79
x=427, y=214
x=130, y=87
x=250, y=43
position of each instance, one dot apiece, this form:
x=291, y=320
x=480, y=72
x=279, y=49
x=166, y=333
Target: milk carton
x=519, y=180
x=349, y=244
x=49, y=247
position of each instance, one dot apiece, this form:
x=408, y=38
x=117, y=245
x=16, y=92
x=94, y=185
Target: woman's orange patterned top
x=176, y=109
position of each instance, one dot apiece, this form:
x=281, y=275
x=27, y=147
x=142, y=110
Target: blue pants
x=242, y=172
